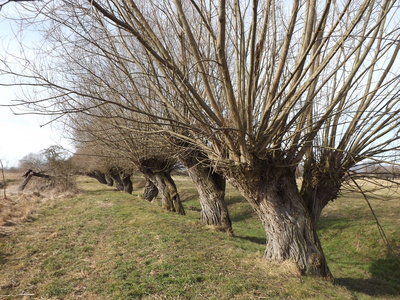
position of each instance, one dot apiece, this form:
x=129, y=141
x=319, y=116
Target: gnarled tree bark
x=319, y=186
x=126, y=182
x=150, y=191
x=211, y=187
x=109, y=180
x=169, y=194
x=121, y=179
x=98, y=175
x=114, y=174
x=158, y=170
x=290, y=232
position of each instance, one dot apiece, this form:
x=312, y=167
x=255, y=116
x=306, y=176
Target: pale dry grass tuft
x=13, y=212
x=286, y=269
x=54, y=185
x=18, y=207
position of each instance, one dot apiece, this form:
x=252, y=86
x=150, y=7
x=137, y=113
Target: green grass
x=104, y=244
x=356, y=253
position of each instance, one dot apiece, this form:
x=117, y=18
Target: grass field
x=102, y=244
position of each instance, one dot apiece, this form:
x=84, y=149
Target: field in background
x=103, y=244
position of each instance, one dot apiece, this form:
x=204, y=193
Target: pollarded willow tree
x=259, y=87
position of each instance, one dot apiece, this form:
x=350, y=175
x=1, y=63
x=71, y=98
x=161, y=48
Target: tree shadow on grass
x=187, y=197
x=239, y=209
x=257, y=240
x=98, y=191
x=234, y=200
x=335, y=222
x=242, y=215
x=385, y=279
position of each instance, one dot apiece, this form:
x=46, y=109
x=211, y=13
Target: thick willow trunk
x=211, y=187
x=170, y=199
x=109, y=180
x=158, y=170
x=98, y=175
x=169, y=194
x=290, y=232
x=150, y=191
x=317, y=195
x=114, y=174
x=318, y=188
x=126, y=182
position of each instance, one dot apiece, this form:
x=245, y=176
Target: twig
x=4, y=3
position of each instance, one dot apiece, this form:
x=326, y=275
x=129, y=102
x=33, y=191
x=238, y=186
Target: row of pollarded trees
x=249, y=89
x=114, y=145
x=92, y=160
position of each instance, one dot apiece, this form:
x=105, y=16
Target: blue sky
x=19, y=134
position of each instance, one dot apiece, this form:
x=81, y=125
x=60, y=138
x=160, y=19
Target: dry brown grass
x=17, y=210
x=17, y=207
x=52, y=186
